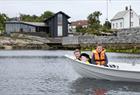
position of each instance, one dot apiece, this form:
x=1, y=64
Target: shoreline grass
x=136, y=51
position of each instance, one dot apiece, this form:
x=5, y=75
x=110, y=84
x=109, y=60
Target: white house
x=125, y=19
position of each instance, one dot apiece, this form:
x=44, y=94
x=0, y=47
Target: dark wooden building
x=58, y=24
x=20, y=26
x=55, y=26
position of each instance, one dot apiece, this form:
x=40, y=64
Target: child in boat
x=99, y=56
x=85, y=58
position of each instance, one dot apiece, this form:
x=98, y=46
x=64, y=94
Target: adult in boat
x=77, y=54
x=98, y=56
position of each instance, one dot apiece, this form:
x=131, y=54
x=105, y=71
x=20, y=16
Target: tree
x=3, y=18
x=35, y=18
x=80, y=29
x=46, y=15
x=30, y=18
x=106, y=27
x=94, y=22
x=94, y=18
x=107, y=24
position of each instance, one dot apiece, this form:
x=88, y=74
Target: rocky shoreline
x=21, y=42
x=126, y=40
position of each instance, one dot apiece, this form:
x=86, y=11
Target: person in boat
x=77, y=54
x=99, y=56
x=85, y=58
x=82, y=56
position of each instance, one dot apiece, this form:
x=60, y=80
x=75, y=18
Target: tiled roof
x=79, y=23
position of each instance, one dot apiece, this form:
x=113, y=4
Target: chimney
x=126, y=8
x=130, y=8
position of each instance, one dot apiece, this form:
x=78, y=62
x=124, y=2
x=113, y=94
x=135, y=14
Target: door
x=60, y=32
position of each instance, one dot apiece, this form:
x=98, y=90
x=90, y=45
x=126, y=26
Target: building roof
x=120, y=15
x=28, y=23
x=60, y=12
x=35, y=23
x=79, y=23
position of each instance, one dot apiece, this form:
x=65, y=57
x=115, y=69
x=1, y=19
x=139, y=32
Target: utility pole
x=130, y=17
x=107, y=10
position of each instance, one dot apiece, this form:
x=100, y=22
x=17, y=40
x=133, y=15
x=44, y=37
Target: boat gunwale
x=102, y=67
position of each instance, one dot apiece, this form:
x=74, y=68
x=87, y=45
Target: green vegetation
x=106, y=27
x=124, y=50
x=133, y=50
x=94, y=22
x=3, y=18
x=81, y=29
x=94, y=25
x=34, y=18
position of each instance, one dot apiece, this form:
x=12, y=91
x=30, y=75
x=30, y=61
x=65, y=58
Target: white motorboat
x=114, y=72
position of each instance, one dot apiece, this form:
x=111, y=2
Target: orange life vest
x=99, y=58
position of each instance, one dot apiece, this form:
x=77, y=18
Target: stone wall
x=129, y=35
x=126, y=38
x=40, y=34
x=74, y=40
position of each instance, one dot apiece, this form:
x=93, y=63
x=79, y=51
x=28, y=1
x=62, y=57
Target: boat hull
x=101, y=72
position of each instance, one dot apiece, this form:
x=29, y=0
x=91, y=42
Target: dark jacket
x=87, y=56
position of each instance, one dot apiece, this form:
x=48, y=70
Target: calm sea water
x=50, y=73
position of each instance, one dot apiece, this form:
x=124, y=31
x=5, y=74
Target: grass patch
x=124, y=50
x=115, y=50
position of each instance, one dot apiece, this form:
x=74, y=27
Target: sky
x=76, y=9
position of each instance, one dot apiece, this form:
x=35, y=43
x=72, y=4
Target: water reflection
x=85, y=86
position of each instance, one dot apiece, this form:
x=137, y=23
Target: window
x=116, y=25
x=60, y=33
x=120, y=24
x=59, y=27
x=59, y=19
x=132, y=23
x=131, y=14
x=113, y=25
